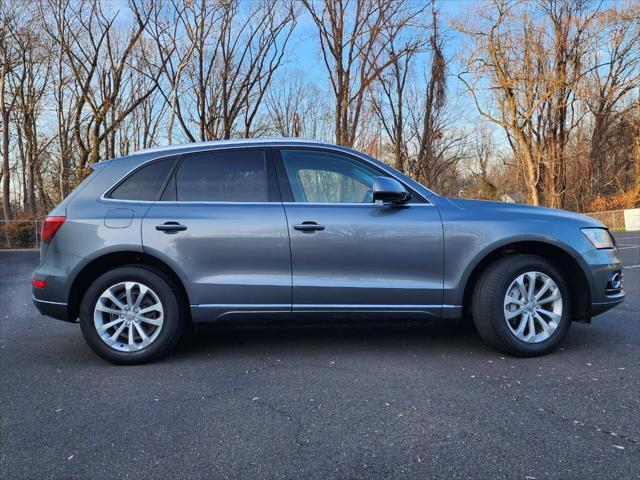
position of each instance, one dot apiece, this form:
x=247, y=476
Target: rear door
x=350, y=254
x=221, y=223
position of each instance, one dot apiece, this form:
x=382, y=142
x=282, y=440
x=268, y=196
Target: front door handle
x=171, y=227
x=308, y=227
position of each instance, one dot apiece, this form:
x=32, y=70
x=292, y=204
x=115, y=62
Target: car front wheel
x=521, y=305
x=131, y=315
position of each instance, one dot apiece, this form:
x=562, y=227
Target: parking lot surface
x=360, y=401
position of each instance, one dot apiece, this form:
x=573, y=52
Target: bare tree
x=483, y=150
x=353, y=40
x=297, y=108
x=99, y=59
x=9, y=60
x=433, y=157
x=170, y=29
x=613, y=73
x=30, y=88
x=230, y=50
x=389, y=101
x=531, y=61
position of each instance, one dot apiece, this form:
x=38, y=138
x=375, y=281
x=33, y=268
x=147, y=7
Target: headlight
x=600, y=237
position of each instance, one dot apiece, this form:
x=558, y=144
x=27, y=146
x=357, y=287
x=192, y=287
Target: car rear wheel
x=521, y=305
x=131, y=315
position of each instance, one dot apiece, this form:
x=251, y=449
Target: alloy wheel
x=533, y=307
x=128, y=316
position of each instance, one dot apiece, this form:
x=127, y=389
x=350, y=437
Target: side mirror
x=390, y=191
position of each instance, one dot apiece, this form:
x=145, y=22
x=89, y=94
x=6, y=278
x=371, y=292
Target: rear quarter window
x=146, y=183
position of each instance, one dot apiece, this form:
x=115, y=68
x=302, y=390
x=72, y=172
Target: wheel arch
x=108, y=261
x=570, y=267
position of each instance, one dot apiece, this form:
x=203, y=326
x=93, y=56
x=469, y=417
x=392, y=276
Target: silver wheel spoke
x=143, y=335
x=113, y=299
x=103, y=308
x=520, y=284
x=112, y=339
x=153, y=308
x=153, y=321
x=128, y=289
x=531, y=277
x=512, y=300
x=554, y=296
x=547, y=284
x=143, y=292
x=130, y=335
x=115, y=322
x=532, y=328
x=523, y=323
x=509, y=315
x=553, y=316
x=543, y=324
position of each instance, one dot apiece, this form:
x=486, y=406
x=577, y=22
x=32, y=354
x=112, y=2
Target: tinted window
x=224, y=176
x=145, y=183
x=324, y=177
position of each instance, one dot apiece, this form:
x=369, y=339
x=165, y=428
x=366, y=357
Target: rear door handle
x=308, y=227
x=171, y=227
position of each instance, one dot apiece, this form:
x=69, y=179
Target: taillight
x=50, y=227
x=38, y=283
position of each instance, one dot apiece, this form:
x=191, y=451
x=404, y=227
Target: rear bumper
x=50, y=309
x=56, y=269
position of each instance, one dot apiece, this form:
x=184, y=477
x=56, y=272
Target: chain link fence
x=20, y=233
x=614, y=219
x=619, y=220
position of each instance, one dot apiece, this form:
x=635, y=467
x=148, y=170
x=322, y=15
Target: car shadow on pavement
x=450, y=336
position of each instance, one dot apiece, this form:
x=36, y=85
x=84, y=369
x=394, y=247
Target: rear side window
x=145, y=183
x=223, y=176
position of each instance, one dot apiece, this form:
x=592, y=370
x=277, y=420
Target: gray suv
x=167, y=238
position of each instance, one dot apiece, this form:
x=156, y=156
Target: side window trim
x=285, y=185
x=170, y=178
x=283, y=180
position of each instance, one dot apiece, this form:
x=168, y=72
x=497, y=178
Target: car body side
x=101, y=233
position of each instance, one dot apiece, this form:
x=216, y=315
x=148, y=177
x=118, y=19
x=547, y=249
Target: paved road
x=319, y=402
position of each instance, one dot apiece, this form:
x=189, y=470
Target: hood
x=492, y=208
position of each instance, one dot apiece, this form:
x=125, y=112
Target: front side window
x=223, y=176
x=317, y=176
x=145, y=183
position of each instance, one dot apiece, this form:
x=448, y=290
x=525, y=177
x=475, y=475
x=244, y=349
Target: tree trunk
x=6, y=204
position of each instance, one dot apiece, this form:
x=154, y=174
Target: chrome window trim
x=427, y=204
x=177, y=202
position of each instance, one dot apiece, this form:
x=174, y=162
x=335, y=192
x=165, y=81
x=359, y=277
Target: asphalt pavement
x=376, y=401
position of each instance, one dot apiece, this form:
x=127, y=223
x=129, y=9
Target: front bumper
x=602, y=265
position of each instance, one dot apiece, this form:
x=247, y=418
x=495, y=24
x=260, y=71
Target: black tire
x=173, y=318
x=488, y=305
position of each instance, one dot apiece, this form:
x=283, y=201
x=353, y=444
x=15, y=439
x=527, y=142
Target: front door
x=350, y=254
x=222, y=225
